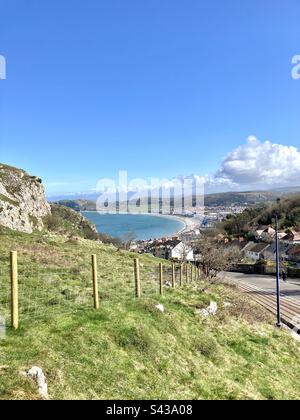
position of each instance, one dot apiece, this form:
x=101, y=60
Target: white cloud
x=254, y=165
x=260, y=164
x=214, y=184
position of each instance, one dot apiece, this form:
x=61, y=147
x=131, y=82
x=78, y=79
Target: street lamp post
x=278, y=323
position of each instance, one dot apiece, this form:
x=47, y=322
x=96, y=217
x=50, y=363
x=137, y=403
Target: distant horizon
x=93, y=196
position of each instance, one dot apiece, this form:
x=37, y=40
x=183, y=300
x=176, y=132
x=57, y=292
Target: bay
x=141, y=226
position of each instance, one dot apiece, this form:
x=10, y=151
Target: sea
x=140, y=227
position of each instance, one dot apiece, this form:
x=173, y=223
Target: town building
x=170, y=249
x=255, y=251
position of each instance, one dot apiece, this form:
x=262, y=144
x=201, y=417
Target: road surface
x=262, y=289
x=289, y=289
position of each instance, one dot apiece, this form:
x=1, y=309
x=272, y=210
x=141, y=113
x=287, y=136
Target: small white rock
x=160, y=307
x=210, y=310
x=213, y=307
x=204, y=313
x=37, y=375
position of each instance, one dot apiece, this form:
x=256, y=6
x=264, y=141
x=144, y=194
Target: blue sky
x=157, y=87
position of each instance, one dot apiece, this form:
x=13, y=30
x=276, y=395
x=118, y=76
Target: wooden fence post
x=161, y=279
x=186, y=273
x=137, y=278
x=95, y=281
x=173, y=276
x=191, y=273
x=14, y=290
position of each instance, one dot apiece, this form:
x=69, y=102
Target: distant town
x=260, y=249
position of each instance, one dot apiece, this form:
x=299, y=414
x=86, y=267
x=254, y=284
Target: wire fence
x=5, y=300
x=48, y=291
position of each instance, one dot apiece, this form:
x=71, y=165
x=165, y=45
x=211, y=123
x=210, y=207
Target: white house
x=255, y=251
x=171, y=249
x=181, y=251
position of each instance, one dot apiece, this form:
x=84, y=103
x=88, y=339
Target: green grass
x=128, y=349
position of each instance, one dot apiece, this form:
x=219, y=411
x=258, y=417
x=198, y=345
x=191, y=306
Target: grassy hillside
x=288, y=212
x=67, y=221
x=64, y=220
x=128, y=349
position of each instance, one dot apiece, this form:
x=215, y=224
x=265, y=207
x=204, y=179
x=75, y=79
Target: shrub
x=52, y=223
x=207, y=346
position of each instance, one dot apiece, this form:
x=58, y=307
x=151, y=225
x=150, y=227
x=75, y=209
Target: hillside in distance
x=79, y=205
x=242, y=198
x=287, y=210
x=245, y=198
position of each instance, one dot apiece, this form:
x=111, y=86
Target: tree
x=215, y=257
x=128, y=240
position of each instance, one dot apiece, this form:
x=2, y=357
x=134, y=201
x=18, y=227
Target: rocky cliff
x=23, y=204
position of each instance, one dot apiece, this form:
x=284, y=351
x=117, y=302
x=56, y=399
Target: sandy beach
x=190, y=223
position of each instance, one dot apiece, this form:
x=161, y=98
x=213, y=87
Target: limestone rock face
x=23, y=204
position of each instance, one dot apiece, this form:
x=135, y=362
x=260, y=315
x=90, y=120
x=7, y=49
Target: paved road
x=289, y=289
x=262, y=289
